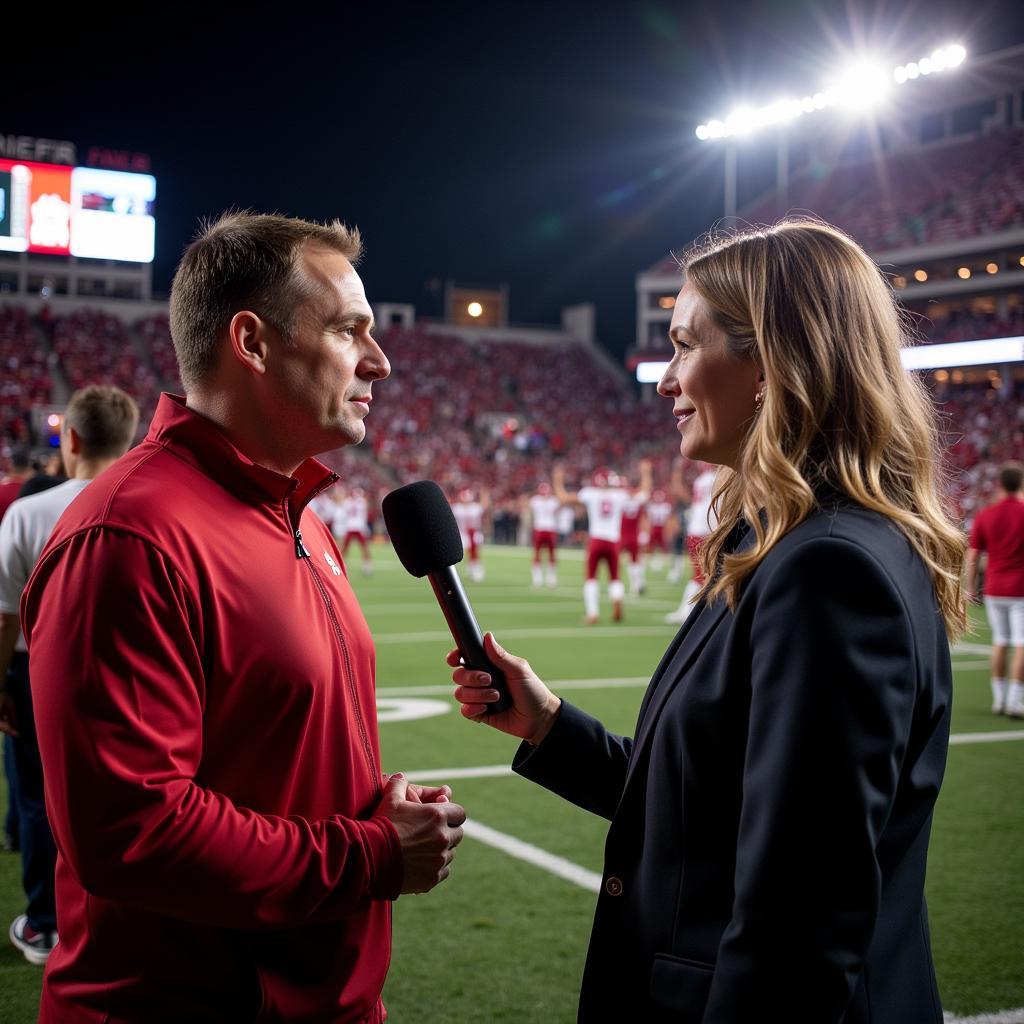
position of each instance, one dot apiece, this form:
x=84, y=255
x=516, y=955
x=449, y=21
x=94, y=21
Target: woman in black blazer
x=770, y=818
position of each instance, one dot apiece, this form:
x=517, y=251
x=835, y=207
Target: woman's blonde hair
x=840, y=412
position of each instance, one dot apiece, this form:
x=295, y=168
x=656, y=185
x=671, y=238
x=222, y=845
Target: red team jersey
x=999, y=530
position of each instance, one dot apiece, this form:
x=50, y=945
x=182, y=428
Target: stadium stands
x=96, y=348
x=155, y=332
x=493, y=415
x=984, y=427
x=24, y=373
x=938, y=194
x=497, y=414
x=965, y=325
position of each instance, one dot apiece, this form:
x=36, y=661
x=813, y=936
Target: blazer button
x=613, y=886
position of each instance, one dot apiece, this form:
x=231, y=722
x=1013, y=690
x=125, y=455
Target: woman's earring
x=758, y=401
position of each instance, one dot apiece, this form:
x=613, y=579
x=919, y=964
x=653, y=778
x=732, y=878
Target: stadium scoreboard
x=89, y=212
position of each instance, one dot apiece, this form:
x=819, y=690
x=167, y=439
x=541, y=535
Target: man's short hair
x=243, y=261
x=1011, y=476
x=104, y=418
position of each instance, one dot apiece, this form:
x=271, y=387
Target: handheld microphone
x=426, y=539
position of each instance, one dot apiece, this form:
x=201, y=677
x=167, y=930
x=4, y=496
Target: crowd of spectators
x=155, y=332
x=24, y=373
x=96, y=348
x=967, y=325
x=940, y=194
x=984, y=428
x=493, y=416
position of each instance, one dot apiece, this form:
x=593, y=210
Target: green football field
x=505, y=937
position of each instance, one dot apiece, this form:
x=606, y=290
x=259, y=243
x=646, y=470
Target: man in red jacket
x=204, y=679
x=999, y=532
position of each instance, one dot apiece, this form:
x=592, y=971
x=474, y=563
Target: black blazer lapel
x=670, y=673
x=666, y=660
x=683, y=651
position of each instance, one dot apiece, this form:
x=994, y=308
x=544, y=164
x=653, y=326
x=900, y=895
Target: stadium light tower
x=859, y=87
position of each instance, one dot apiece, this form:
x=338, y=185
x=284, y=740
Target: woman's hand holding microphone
x=534, y=707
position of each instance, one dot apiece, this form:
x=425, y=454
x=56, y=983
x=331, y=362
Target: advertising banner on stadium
x=77, y=211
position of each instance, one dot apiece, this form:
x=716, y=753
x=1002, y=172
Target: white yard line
x=570, y=632
x=627, y=682
x=986, y=737
x=1002, y=1017
x=529, y=603
x=559, y=633
x=489, y=771
x=559, y=866
x=486, y=771
x=972, y=649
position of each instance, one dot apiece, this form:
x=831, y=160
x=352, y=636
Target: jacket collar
x=201, y=443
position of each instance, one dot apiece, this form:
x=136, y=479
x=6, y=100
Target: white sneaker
x=678, y=616
x=1014, y=709
x=35, y=946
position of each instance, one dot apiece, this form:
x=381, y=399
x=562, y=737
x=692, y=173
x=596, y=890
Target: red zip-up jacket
x=203, y=682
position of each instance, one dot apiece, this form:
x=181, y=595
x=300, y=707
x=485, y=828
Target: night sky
x=549, y=145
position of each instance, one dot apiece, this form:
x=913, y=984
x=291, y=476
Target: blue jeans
x=38, y=853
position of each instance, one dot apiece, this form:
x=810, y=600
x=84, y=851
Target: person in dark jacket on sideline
x=770, y=816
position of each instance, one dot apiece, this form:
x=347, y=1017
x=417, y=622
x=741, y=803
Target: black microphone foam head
x=422, y=527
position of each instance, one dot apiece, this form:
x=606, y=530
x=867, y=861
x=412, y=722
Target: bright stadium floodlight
x=943, y=59
x=862, y=86
x=859, y=87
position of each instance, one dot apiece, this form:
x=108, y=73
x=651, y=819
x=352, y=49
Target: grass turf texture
x=503, y=940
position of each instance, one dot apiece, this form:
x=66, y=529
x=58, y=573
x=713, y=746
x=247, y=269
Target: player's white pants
x=636, y=577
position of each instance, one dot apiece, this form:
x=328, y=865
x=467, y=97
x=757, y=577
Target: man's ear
x=74, y=441
x=247, y=336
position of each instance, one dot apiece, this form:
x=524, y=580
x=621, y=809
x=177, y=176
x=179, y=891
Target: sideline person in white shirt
x=97, y=429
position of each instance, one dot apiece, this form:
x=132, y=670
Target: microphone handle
x=465, y=630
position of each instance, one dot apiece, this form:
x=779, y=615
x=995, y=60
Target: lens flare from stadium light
x=860, y=87
x=474, y=309
x=943, y=59
x=53, y=420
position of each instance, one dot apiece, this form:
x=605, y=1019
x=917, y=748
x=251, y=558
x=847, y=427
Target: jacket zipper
x=301, y=552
